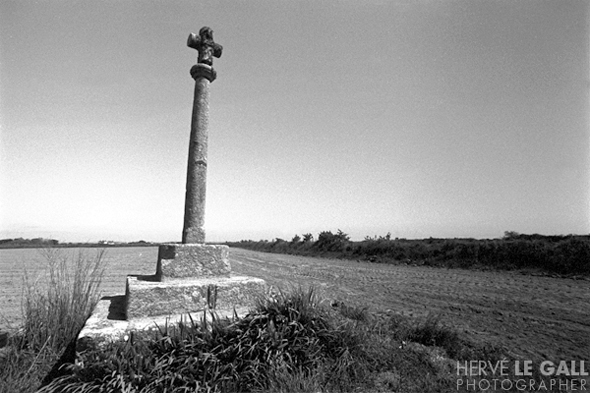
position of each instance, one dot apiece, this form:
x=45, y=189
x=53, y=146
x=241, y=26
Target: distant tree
x=342, y=236
x=307, y=238
x=328, y=241
x=386, y=237
x=509, y=235
x=296, y=239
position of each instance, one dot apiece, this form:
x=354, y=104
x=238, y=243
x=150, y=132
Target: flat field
x=14, y=263
x=533, y=317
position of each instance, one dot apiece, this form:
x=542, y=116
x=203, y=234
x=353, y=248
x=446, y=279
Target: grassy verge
x=290, y=342
x=55, y=307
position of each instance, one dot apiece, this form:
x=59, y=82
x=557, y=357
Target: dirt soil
x=532, y=317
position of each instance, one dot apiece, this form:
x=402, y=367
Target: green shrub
x=573, y=255
x=330, y=242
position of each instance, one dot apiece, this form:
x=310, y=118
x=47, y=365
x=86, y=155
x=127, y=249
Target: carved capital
x=201, y=70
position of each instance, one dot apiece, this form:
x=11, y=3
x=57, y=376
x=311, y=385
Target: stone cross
x=196, y=180
x=205, y=45
x=192, y=277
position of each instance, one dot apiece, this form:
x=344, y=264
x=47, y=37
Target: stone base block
x=107, y=322
x=192, y=260
x=178, y=296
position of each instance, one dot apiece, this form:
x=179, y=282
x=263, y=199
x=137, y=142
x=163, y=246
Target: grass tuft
x=55, y=308
x=433, y=333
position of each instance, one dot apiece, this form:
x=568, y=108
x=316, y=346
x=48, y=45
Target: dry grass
x=55, y=307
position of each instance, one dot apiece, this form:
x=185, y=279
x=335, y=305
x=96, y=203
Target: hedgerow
x=566, y=255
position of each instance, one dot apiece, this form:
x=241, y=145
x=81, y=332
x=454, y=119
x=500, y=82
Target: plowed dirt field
x=533, y=317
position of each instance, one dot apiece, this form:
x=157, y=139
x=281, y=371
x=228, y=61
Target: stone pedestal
x=190, y=278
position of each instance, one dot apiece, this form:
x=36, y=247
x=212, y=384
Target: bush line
x=564, y=255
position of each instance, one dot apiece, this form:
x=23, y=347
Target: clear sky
x=446, y=118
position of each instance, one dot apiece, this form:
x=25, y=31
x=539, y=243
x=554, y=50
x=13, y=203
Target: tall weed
x=55, y=307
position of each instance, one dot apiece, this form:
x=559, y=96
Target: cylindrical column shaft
x=196, y=180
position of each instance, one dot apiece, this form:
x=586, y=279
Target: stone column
x=196, y=180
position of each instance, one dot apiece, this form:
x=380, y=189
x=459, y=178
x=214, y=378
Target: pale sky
x=419, y=118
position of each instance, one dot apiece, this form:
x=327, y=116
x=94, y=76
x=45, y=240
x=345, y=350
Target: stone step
x=108, y=322
x=146, y=297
